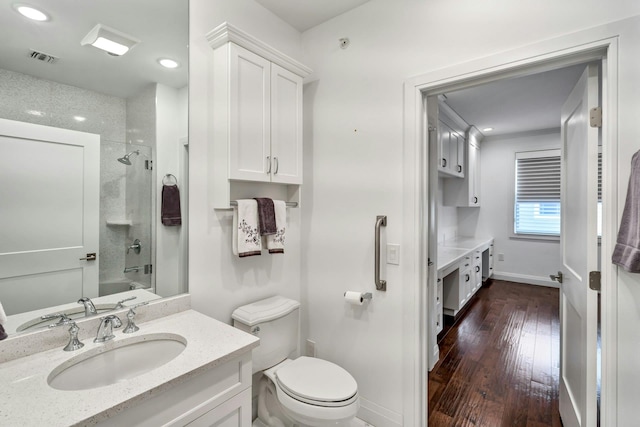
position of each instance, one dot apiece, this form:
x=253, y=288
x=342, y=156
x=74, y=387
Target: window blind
x=537, y=195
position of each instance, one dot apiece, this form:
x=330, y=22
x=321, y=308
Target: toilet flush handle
x=255, y=330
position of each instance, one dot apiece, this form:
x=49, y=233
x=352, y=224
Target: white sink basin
x=116, y=361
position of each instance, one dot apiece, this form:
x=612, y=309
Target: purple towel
x=626, y=253
x=171, y=205
x=266, y=216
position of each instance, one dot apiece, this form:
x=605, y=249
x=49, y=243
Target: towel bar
x=289, y=204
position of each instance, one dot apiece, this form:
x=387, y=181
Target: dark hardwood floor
x=499, y=363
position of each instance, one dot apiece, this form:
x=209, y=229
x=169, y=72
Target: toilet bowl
x=302, y=391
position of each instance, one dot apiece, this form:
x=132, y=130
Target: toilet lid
x=316, y=380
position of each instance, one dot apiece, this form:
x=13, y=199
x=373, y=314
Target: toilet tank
x=276, y=322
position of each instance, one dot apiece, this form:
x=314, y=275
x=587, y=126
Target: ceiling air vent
x=43, y=57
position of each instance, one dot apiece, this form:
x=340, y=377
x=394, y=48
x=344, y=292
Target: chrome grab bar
x=381, y=285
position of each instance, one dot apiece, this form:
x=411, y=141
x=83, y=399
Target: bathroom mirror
x=51, y=74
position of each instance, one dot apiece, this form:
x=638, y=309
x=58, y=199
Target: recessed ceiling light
x=79, y=118
x=487, y=129
x=30, y=12
x=168, y=63
x=113, y=41
x=35, y=113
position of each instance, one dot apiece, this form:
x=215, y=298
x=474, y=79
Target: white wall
x=168, y=132
x=530, y=261
x=353, y=162
x=218, y=281
x=447, y=217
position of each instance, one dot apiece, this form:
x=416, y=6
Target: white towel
x=275, y=242
x=246, y=235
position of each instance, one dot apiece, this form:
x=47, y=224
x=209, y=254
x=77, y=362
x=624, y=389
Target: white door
x=578, y=304
x=50, y=195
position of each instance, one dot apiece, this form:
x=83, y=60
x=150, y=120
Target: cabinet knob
x=459, y=168
x=444, y=163
x=475, y=200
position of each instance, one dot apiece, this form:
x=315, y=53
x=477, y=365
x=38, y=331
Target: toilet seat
x=317, y=382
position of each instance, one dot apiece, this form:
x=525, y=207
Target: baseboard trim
x=376, y=415
x=524, y=278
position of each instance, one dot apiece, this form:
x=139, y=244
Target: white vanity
x=463, y=264
x=207, y=381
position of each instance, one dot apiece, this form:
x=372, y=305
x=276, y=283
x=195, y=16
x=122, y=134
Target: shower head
x=125, y=159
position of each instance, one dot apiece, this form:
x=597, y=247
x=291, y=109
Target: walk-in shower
x=125, y=159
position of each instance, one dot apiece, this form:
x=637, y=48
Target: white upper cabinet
x=466, y=192
x=451, y=151
x=286, y=126
x=250, y=115
x=256, y=119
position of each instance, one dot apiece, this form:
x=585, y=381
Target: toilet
x=302, y=391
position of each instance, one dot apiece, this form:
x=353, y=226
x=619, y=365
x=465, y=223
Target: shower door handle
x=381, y=285
x=90, y=257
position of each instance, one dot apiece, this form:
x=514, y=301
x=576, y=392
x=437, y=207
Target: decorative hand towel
x=246, y=238
x=266, y=216
x=171, y=205
x=3, y=321
x=275, y=242
x=626, y=253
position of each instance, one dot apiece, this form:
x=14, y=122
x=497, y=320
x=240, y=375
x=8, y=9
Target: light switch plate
x=393, y=254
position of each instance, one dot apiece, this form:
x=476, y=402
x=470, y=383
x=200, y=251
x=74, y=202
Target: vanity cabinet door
x=235, y=412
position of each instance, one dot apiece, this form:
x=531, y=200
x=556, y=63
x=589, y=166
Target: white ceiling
x=516, y=105
x=305, y=14
x=162, y=27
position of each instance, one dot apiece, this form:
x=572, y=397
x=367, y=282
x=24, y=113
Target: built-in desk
x=463, y=264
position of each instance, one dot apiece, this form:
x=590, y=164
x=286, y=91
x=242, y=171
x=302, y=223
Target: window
x=537, y=195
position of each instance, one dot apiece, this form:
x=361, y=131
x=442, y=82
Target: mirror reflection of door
x=49, y=220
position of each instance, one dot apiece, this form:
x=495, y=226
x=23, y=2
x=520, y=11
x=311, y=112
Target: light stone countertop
x=452, y=251
x=27, y=400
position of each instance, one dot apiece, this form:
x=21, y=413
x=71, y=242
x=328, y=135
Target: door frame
x=597, y=44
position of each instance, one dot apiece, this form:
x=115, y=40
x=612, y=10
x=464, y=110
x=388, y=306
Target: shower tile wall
x=33, y=100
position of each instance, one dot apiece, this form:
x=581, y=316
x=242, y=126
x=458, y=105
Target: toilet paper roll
x=353, y=298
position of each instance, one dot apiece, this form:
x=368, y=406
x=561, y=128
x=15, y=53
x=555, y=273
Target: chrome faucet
x=89, y=308
x=105, y=330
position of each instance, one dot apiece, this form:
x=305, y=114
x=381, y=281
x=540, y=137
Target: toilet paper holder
x=363, y=295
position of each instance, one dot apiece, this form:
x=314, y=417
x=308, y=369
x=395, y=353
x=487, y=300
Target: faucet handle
x=120, y=304
x=74, y=343
x=131, y=326
x=64, y=319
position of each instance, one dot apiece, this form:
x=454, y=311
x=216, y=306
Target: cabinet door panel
x=286, y=126
x=250, y=120
x=235, y=412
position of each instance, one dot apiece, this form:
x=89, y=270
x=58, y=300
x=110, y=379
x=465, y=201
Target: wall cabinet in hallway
x=466, y=192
